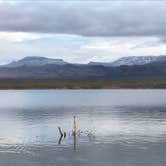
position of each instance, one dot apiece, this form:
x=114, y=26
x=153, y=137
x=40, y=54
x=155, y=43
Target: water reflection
x=74, y=141
x=100, y=121
x=136, y=132
x=60, y=139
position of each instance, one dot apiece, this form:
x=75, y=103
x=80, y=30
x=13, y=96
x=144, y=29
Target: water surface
x=115, y=127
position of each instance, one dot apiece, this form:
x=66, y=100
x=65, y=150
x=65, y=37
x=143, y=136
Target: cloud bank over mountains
x=81, y=30
x=88, y=18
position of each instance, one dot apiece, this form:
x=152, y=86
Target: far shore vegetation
x=82, y=84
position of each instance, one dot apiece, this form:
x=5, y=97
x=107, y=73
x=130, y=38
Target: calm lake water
x=115, y=127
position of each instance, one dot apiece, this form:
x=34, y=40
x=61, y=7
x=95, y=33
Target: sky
x=81, y=31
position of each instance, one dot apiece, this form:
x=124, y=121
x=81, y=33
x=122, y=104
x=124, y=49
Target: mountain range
x=124, y=61
x=126, y=67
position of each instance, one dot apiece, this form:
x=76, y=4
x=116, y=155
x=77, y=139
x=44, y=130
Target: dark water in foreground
x=118, y=127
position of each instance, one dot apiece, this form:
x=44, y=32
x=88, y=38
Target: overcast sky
x=81, y=31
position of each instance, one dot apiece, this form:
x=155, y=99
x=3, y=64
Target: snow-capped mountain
x=132, y=60
x=36, y=61
x=135, y=60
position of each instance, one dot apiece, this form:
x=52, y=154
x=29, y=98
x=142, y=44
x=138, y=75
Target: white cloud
x=108, y=46
x=113, y=48
x=21, y=36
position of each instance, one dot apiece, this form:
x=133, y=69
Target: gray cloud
x=86, y=18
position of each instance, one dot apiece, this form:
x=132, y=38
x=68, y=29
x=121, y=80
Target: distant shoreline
x=82, y=84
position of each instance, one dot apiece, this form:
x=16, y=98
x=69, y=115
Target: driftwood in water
x=60, y=139
x=61, y=135
x=60, y=132
x=74, y=133
x=74, y=141
x=74, y=126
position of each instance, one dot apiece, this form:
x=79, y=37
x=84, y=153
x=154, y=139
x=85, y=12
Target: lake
x=114, y=127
